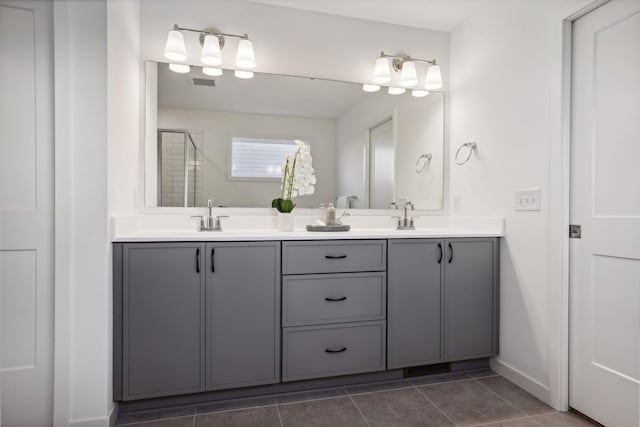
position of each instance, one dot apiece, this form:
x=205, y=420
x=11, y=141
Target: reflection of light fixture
x=243, y=74
x=179, y=68
x=370, y=88
x=406, y=66
x=212, y=71
x=212, y=42
x=419, y=93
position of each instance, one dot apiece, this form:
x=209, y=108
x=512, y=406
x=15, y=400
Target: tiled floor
x=469, y=399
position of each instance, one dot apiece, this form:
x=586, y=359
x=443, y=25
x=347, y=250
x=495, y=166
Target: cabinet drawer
x=333, y=256
x=333, y=298
x=323, y=351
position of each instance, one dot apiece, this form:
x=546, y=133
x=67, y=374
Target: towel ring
x=471, y=146
x=427, y=159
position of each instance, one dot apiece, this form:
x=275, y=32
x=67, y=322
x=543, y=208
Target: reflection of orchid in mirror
x=298, y=178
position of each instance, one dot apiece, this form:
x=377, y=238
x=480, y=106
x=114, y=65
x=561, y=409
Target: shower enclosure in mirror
x=225, y=139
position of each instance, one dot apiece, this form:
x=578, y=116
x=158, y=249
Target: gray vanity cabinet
x=471, y=307
x=415, y=270
x=442, y=300
x=243, y=314
x=163, y=319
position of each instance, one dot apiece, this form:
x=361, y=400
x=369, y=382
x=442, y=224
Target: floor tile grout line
x=436, y=406
x=359, y=410
x=279, y=416
x=194, y=417
x=504, y=399
x=488, y=423
x=234, y=409
x=443, y=382
x=378, y=391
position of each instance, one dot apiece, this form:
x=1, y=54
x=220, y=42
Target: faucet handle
x=201, y=218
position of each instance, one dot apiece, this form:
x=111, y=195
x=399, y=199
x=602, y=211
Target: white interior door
x=605, y=201
x=381, y=165
x=26, y=213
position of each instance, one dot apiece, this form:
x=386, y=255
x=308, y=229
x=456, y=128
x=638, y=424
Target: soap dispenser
x=331, y=215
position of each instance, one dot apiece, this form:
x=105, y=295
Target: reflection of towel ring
x=427, y=159
x=471, y=146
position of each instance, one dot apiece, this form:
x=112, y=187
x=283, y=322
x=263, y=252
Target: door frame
x=559, y=375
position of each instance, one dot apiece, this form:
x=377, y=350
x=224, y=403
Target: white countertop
x=155, y=228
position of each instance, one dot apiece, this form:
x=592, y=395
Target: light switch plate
x=528, y=199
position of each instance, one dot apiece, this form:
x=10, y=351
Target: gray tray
x=325, y=228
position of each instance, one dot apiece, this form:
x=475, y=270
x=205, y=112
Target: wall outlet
x=528, y=199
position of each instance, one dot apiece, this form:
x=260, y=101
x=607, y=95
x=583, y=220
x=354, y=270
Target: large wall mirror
x=225, y=139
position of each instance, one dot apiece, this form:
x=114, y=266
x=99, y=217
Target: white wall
x=218, y=127
x=506, y=94
x=418, y=128
x=83, y=267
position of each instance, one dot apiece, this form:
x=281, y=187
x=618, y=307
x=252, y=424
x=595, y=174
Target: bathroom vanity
x=209, y=313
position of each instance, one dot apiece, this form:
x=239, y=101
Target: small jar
x=331, y=215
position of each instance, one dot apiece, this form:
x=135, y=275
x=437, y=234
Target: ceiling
x=440, y=15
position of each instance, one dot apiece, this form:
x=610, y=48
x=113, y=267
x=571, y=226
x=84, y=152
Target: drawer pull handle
x=450, y=253
x=335, y=256
x=335, y=299
x=198, y=260
x=335, y=350
x=440, y=248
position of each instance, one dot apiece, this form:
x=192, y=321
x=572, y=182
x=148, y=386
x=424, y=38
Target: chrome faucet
x=404, y=222
x=209, y=222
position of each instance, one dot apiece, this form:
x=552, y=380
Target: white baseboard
x=522, y=380
x=107, y=421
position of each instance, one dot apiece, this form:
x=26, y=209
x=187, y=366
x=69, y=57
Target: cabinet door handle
x=335, y=256
x=335, y=299
x=450, y=253
x=198, y=260
x=335, y=350
x=440, y=248
x=213, y=264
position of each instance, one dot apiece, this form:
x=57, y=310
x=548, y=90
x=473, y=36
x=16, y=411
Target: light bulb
x=409, y=77
x=381, y=73
x=243, y=74
x=419, y=93
x=179, y=68
x=245, y=57
x=175, y=50
x=434, y=78
x=212, y=71
x=370, y=88
x=396, y=90
x=211, y=54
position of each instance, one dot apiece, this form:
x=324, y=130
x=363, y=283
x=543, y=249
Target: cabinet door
x=243, y=314
x=470, y=299
x=414, y=302
x=163, y=319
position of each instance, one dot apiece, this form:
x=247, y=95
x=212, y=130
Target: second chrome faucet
x=404, y=222
x=209, y=222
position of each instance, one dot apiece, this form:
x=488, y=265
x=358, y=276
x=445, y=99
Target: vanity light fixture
x=406, y=65
x=212, y=42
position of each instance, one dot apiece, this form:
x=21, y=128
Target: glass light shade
x=179, y=68
x=409, y=77
x=212, y=71
x=434, y=78
x=381, y=73
x=211, y=54
x=396, y=90
x=245, y=57
x=370, y=88
x=243, y=74
x=175, y=50
x=419, y=93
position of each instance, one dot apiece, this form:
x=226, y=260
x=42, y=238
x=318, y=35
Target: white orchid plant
x=298, y=178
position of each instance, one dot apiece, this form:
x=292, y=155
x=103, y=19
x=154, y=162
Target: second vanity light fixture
x=212, y=42
x=406, y=65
